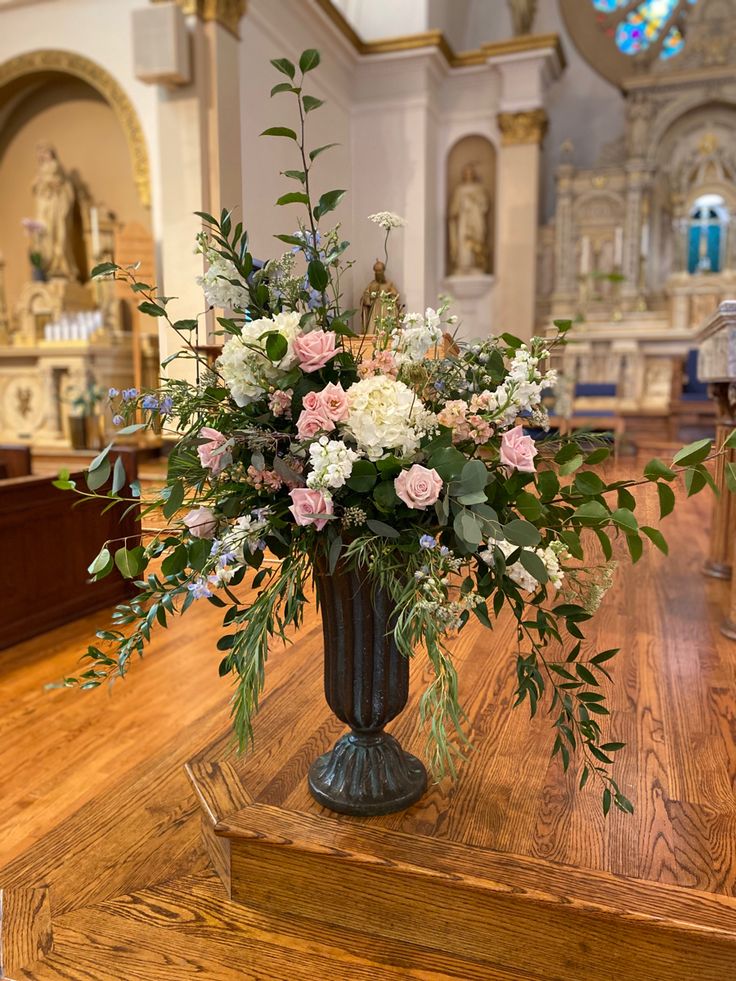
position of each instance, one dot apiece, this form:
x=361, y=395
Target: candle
x=585, y=256
x=645, y=237
x=618, y=246
x=94, y=226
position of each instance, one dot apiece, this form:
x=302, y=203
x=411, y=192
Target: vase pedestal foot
x=366, y=774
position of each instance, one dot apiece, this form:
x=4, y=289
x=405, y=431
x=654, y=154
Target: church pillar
x=565, y=286
x=518, y=219
x=200, y=158
x=525, y=79
x=636, y=233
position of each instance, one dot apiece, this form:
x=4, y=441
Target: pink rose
x=201, y=523
x=334, y=400
x=308, y=504
x=313, y=421
x=418, y=487
x=315, y=349
x=518, y=450
x=212, y=454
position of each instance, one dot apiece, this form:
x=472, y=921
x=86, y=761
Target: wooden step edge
x=527, y=880
x=26, y=934
x=219, y=792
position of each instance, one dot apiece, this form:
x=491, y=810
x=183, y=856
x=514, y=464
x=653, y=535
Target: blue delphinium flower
x=149, y=402
x=199, y=588
x=129, y=393
x=113, y=392
x=427, y=541
x=117, y=420
x=166, y=406
x=444, y=551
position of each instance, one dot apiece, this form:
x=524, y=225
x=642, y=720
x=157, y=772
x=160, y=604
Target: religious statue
x=522, y=15
x=54, y=194
x=468, y=224
x=380, y=297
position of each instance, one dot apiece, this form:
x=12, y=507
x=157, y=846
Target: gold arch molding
x=16, y=71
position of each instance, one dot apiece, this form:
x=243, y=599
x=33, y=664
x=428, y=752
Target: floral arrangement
x=35, y=230
x=401, y=454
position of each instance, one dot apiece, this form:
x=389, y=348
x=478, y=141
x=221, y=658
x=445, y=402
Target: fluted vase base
x=366, y=774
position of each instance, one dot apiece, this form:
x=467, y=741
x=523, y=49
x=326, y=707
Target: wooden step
x=463, y=902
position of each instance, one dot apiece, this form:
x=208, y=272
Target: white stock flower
x=416, y=335
x=332, y=463
x=387, y=219
x=243, y=363
x=384, y=414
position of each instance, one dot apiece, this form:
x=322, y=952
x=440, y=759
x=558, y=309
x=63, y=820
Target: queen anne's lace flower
x=387, y=219
x=386, y=415
x=244, y=364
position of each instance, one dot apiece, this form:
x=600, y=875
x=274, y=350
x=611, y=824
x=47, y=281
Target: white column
x=525, y=76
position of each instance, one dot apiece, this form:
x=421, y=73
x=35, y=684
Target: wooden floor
x=97, y=815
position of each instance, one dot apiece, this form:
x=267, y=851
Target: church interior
x=552, y=167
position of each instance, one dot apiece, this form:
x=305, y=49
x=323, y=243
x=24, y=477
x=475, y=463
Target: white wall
x=271, y=30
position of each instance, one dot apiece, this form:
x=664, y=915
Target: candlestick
x=94, y=225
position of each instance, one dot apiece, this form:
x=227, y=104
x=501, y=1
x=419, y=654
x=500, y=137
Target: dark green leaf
x=328, y=202
x=103, y=269
x=548, y=485
x=635, y=546
x=334, y=554
x=693, y=453
x=521, y=533
x=448, y=462
x=588, y=484
x=363, y=476
x=152, y=309
x=118, y=475
x=313, y=154
x=283, y=87
x=591, y=513
x=293, y=197
x=284, y=66
x=666, y=500
x=175, y=562
x=311, y=103
x=606, y=802
x=280, y=131
x=695, y=481
x=656, y=468
x=276, y=347
x=381, y=529
x=656, y=537
x=534, y=565
x=318, y=275
x=625, y=519
x=99, y=476
x=101, y=565
x=295, y=175
x=309, y=59
x=130, y=561
x=174, y=500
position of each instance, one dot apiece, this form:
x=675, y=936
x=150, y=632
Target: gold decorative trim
x=227, y=13
x=436, y=39
x=35, y=62
x=522, y=127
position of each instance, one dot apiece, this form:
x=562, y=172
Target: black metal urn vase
x=366, y=685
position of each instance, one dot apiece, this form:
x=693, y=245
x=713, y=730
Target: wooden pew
x=15, y=461
x=47, y=545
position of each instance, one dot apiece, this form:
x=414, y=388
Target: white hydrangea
x=384, y=414
x=550, y=556
x=243, y=363
x=416, y=336
x=332, y=463
x=387, y=220
x=219, y=290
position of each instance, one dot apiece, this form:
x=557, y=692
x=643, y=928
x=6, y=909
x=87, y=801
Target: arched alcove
x=471, y=193
x=46, y=98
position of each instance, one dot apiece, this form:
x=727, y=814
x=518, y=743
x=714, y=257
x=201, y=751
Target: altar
x=65, y=340
x=641, y=248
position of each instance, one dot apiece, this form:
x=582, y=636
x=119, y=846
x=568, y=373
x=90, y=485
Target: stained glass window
x=636, y=30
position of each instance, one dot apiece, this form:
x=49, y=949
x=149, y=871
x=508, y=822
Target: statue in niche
x=380, y=298
x=523, y=13
x=54, y=194
x=468, y=224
